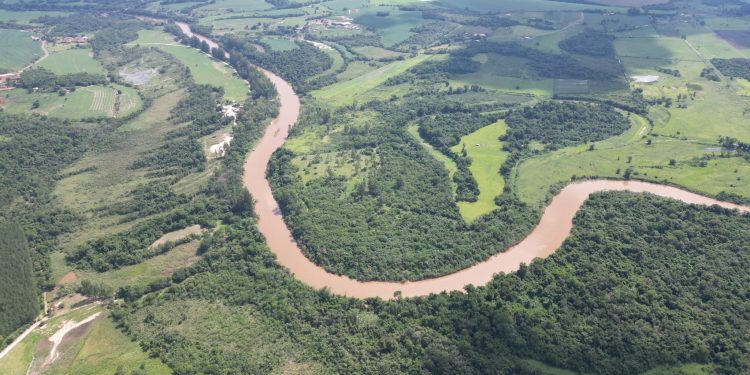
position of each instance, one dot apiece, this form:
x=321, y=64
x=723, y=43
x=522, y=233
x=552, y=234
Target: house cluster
x=73, y=39
x=7, y=80
x=340, y=22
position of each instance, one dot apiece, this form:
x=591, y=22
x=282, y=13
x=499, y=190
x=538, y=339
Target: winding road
x=554, y=227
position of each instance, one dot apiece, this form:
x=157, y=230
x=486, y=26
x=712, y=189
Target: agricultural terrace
x=84, y=102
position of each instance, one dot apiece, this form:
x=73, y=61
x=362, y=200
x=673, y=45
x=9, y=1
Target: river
x=553, y=228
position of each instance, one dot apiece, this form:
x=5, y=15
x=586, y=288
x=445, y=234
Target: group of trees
x=182, y=154
x=557, y=124
x=736, y=67
x=45, y=80
x=548, y=65
x=589, y=43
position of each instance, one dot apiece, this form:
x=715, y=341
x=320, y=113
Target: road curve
x=553, y=228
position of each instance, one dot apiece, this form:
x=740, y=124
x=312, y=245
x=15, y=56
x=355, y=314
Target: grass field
x=85, y=102
x=377, y=53
x=204, y=69
x=149, y=270
x=74, y=60
x=17, y=49
x=97, y=349
x=25, y=17
x=280, y=44
x=449, y=164
x=485, y=150
x=393, y=28
x=345, y=92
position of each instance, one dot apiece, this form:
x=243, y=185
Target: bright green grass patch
x=239, y=5
x=279, y=44
x=25, y=17
x=74, y=60
x=343, y=93
x=744, y=85
x=85, y=102
x=204, y=69
x=485, y=150
x=148, y=271
x=102, y=349
x=17, y=49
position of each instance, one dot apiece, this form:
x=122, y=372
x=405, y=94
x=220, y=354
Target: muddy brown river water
x=553, y=228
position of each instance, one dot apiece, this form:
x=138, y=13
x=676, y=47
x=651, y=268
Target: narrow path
x=554, y=227
x=45, y=54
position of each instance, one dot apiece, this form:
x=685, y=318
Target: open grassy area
x=148, y=271
x=17, y=49
x=204, y=69
x=74, y=60
x=394, y=27
x=85, y=102
x=449, y=164
x=347, y=91
x=25, y=17
x=485, y=150
x=280, y=44
x=506, y=74
x=95, y=348
x=377, y=53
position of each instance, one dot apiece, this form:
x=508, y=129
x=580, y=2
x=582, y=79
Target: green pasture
x=279, y=44
x=204, y=69
x=238, y=5
x=393, y=28
x=485, y=150
x=347, y=91
x=517, y=5
x=74, y=60
x=612, y=157
x=338, y=62
x=377, y=53
x=506, y=74
x=17, y=49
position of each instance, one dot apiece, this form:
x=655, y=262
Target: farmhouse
x=73, y=39
x=7, y=79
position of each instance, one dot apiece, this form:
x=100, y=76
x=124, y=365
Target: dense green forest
x=45, y=80
x=391, y=224
x=589, y=43
x=641, y=282
x=558, y=124
x=733, y=67
x=33, y=151
x=18, y=293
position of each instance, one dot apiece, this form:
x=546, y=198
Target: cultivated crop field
x=17, y=49
x=74, y=60
x=85, y=102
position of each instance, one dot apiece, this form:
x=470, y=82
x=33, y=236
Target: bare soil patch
x=68, y=278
